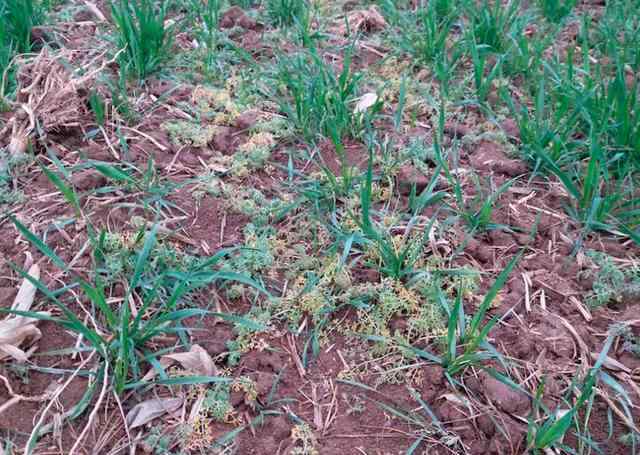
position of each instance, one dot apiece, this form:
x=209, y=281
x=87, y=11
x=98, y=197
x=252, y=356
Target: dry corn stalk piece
x=15, y=330
x=50, y=99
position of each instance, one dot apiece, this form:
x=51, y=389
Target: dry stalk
x=36, y=428
x=94, y=412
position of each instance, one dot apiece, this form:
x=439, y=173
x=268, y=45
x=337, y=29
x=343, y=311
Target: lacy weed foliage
x=611, y=283
x=318, y=293
x=10, y=166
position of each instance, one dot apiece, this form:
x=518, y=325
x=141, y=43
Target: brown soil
x=545, y=322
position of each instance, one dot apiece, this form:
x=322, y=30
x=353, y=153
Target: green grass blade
x=39, y=244
x=492, y=293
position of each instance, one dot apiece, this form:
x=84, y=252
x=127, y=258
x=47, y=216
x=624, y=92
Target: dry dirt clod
x=489, y=156
x=279, y=428
x=500, y=238
x=510, y=128
x=449, y=412
x=478, y=447
x=361, y=20
x=264, y=383
x=522, y=239
x=486, y=425
x=6, y=293
x=398, y=323
x=223, y=140
x=236, y=16
x=88, y=179
x=484, y=254
x=434, y=374
x=271, y=361
x=504, y=397
x=408, y=176
x=456, y=130
x=247, y=119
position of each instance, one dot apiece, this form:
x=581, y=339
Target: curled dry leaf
x=366, y=101
x=196, y=360
x=151, y=409
x=15, y=329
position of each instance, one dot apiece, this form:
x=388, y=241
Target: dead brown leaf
x=196, y=359
x=16, y=329
x=148, y=410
